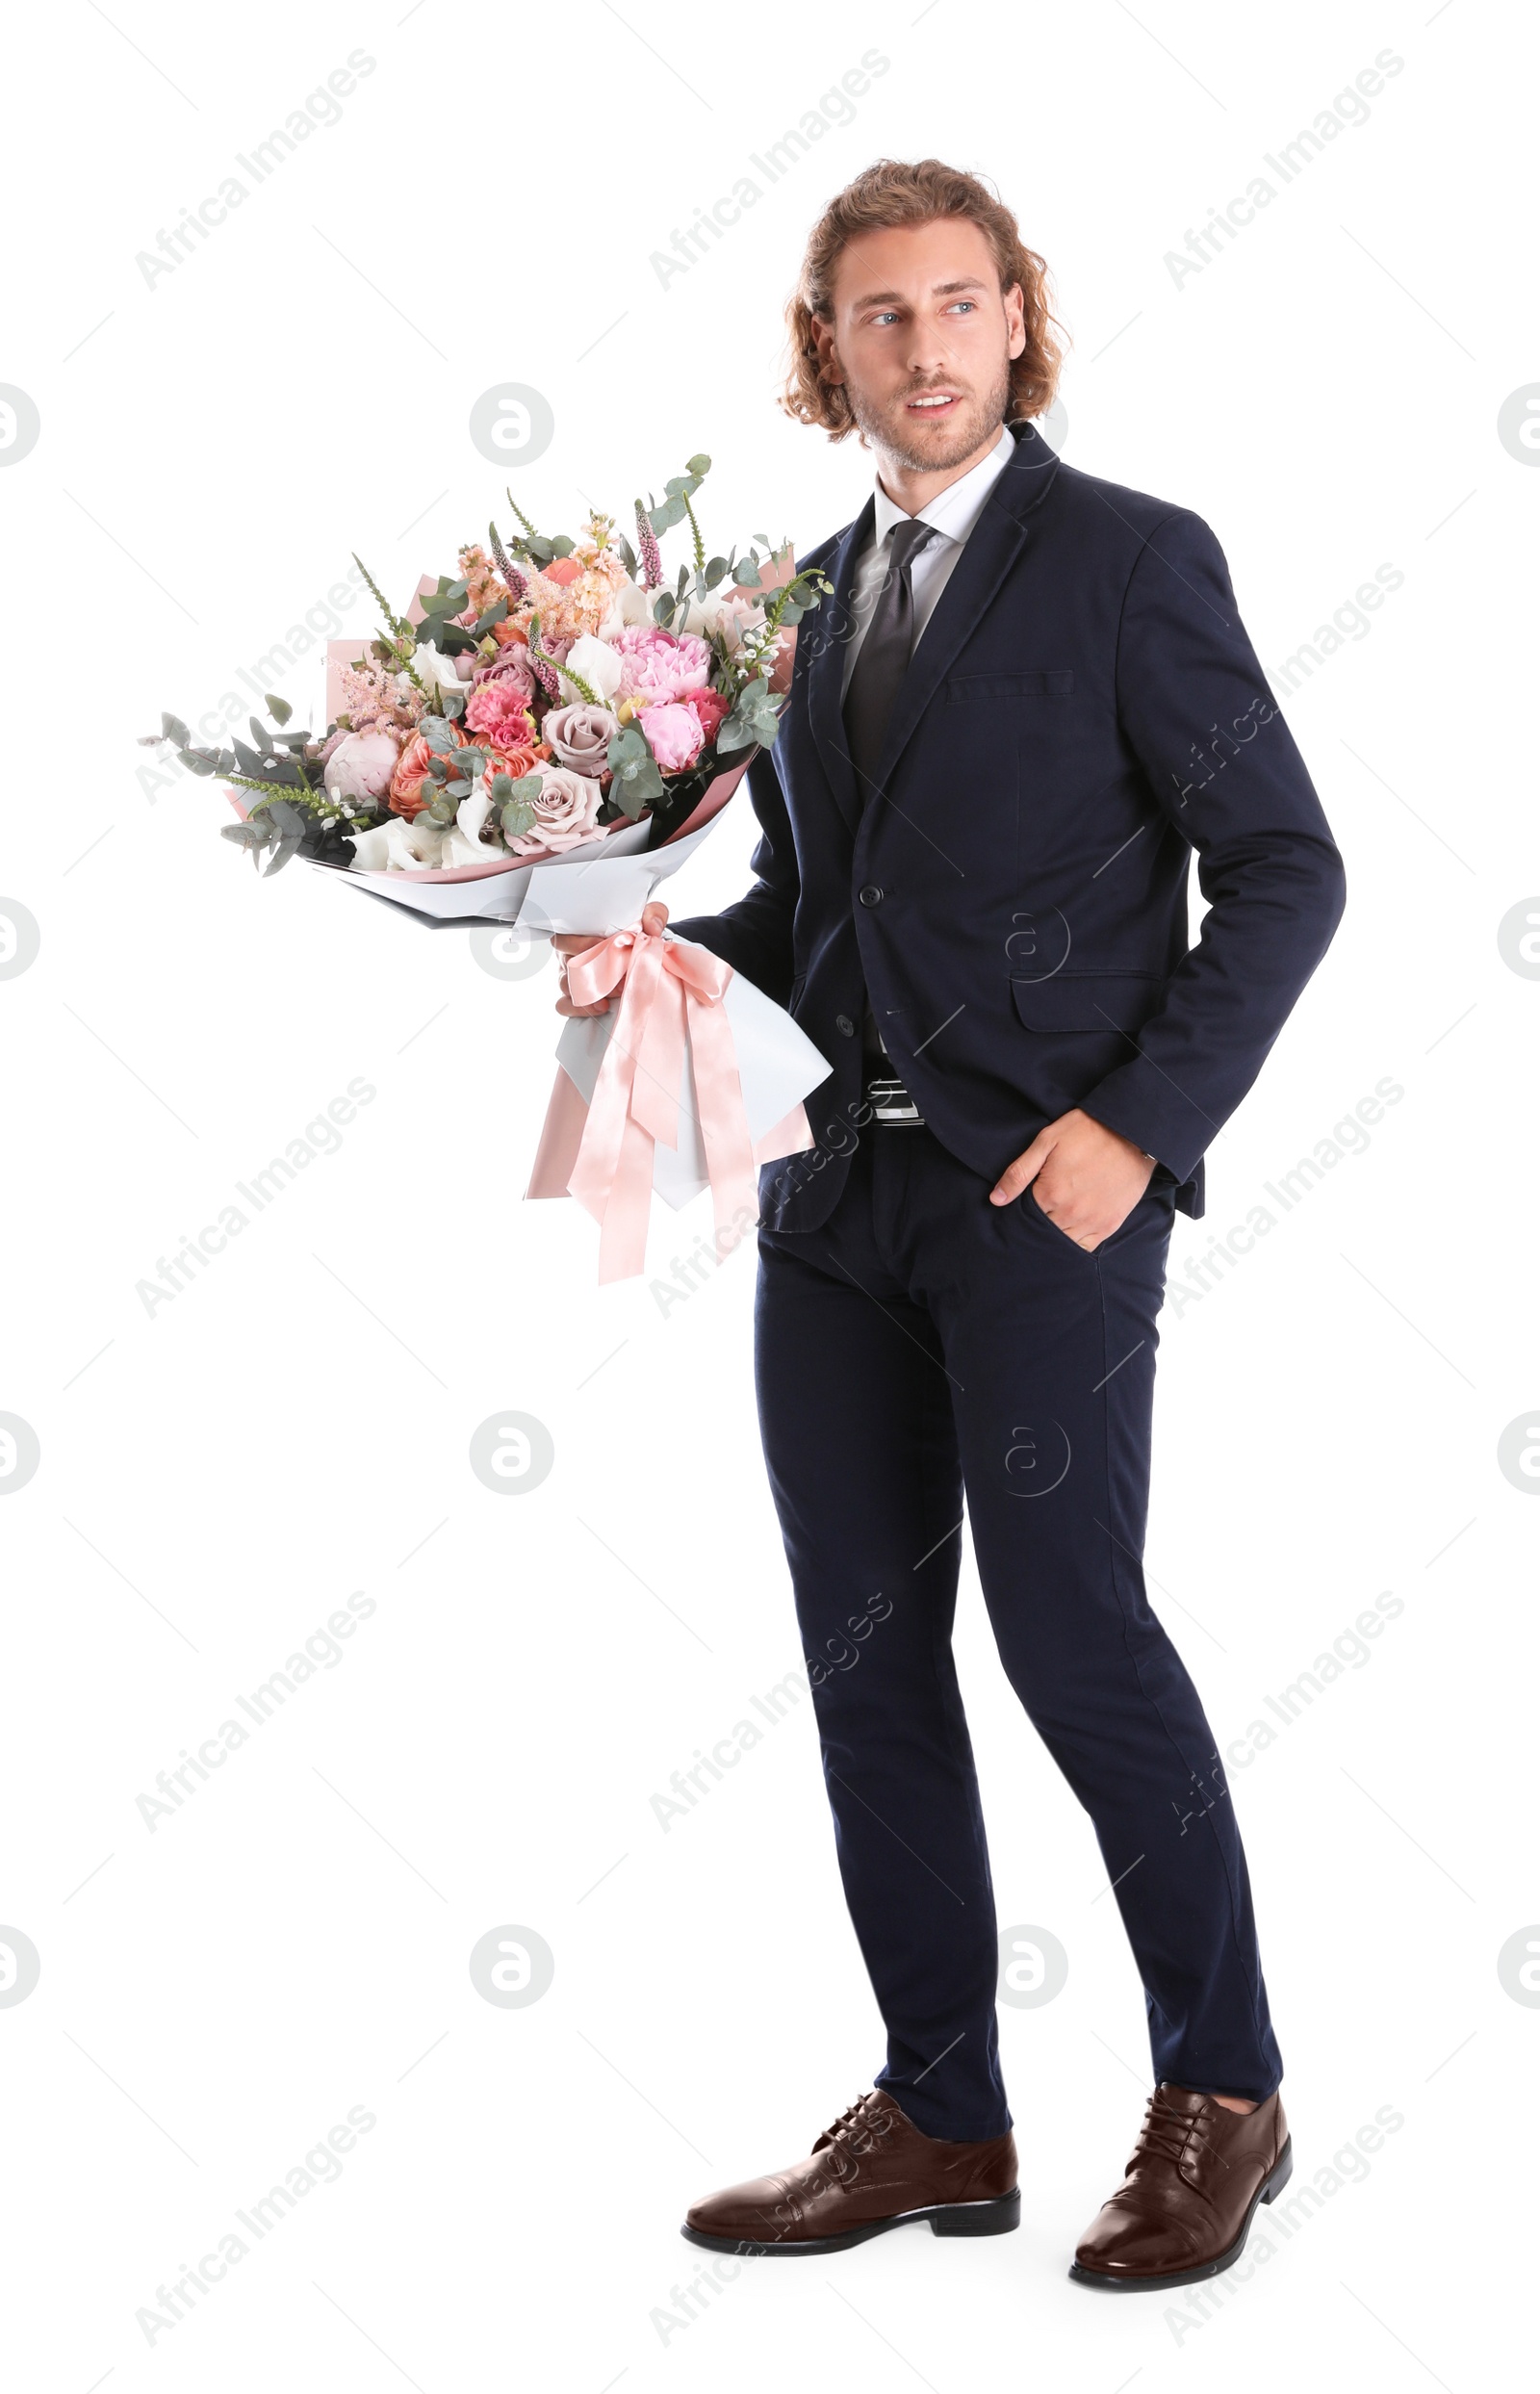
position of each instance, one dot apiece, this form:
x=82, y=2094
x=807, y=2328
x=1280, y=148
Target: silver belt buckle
x=890, y=1102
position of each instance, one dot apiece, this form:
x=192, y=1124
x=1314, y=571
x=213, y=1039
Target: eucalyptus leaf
x=436, y=732
x=746, y=573
x=517, y=818
x=196, y=762
x=699, y=466
x=754, y=720
x=172, y=728
x=278, y=709
x=246, y=835
x=714, y=571
x=452, y=702
x=261, y=737
x=285, y=849
x=626, y=553
x=635, y=776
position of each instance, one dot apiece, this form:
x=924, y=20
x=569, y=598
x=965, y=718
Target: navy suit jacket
x=1082, y=711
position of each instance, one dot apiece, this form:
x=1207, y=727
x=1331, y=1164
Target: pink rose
x=658, y=666
x=673, y=735
x=566, y=810
x=580, y=736
x=510, y=667
x=496, y=713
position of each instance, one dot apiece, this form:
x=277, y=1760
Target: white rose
x=600, y=666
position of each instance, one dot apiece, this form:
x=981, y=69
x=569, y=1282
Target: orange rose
x=407, y=795
x=509, y=634
x=518, y=761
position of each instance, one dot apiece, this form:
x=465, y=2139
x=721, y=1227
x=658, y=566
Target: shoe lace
x=1169, y=2136
x=855, y=2115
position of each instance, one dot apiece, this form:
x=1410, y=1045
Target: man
x=1027, y=701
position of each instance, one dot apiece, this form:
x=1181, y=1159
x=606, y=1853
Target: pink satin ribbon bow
x=672, y=988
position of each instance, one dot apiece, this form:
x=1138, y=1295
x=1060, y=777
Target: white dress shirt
x=954, y=514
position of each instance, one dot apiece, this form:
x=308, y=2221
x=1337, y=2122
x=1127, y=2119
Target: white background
x=218, y=1475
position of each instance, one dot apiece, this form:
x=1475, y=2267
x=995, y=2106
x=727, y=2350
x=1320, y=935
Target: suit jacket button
x=871, y=895
x=844, y=1024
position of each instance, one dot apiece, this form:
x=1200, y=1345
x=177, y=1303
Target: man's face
x=921, y=336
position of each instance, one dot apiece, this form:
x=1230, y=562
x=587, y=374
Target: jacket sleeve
x=1193, y=704
x=754, y=933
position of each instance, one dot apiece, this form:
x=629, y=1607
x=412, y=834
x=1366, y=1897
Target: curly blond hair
x=893, y=192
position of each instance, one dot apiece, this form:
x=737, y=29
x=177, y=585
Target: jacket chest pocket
x=967, y=689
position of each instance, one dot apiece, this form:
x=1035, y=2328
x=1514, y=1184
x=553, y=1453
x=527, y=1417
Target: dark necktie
x=882, y=659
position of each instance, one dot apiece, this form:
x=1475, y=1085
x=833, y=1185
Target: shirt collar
x=956, y=510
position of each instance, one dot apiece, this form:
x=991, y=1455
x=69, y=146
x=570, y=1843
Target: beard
x=892, y=429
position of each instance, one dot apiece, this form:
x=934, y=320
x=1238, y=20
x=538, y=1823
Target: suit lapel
x=989, y=553
x=826, y=672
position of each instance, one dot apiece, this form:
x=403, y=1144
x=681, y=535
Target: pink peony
x=660, y=666
x=673, y=735
x=361, y=765
x=496, y=713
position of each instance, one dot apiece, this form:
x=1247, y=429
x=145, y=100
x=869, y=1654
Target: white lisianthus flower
x=636, y=604
x=434, y=669
x=397, y=846
x=463, y=843
x=600, y=666
x=731, y=610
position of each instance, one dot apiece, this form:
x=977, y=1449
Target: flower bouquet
x=557, y=704
x=542, y=738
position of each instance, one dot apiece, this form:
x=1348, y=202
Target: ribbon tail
x=660, y=1073
x=623, y=1235
x=724, y=1124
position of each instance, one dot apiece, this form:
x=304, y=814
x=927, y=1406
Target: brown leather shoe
x=873, y=2170
x=1194, y=2180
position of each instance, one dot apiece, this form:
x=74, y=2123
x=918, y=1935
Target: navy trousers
x=920, y=1346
